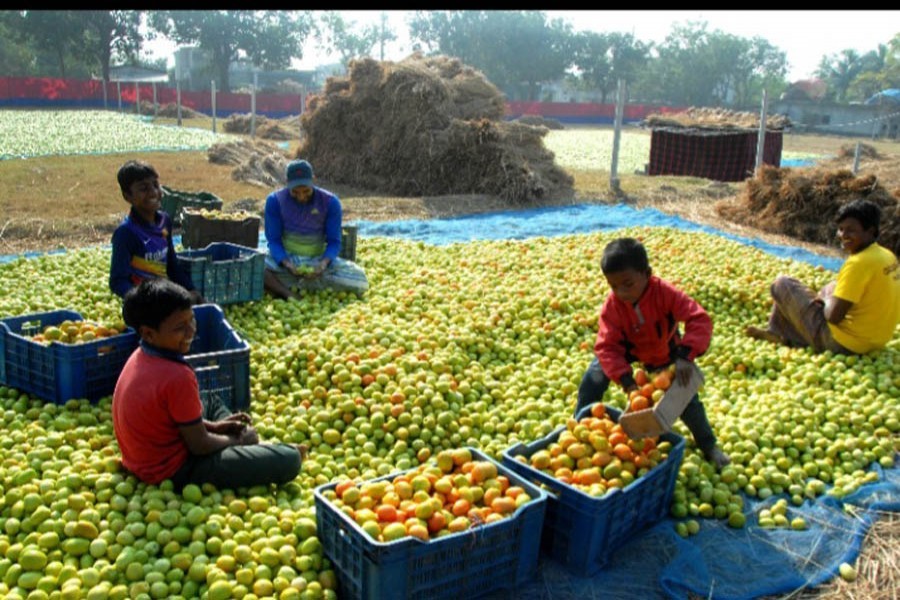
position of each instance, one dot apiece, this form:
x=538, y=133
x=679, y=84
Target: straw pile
x=803, y=203
x=270, y=129
x=714, y=118
x=426, y=126
x=170, y=111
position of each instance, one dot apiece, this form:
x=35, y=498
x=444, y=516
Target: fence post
x=178, y=100
x=119, y=92
x=761, y=136
x=253, y=107
x=137, y=96
x=105, y=100
x=155, y=102
x=212, y=91
x=856, y=159
x=617, y=134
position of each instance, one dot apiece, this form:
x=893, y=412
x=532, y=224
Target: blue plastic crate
x=225, y=273
x=468, y=564
x=581, y=531
x=221, y=358
x=60, y=372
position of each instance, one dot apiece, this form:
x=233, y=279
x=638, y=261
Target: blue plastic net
x=725, y=563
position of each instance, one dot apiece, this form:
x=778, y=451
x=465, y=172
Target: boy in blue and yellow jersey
x=142, y=246
x=303, y=232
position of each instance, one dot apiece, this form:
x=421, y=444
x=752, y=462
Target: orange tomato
x=598, y=410
x=436, y=522
x=639, y=403
x=460, y=507
x=386, y=513
x=503, y=505
x=418, y=531
x=623, y=452
x=617, y=437
x=647, y=390
x=662, y=381
x=640, y=377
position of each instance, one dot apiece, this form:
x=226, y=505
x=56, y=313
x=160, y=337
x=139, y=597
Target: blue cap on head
x=299, y=172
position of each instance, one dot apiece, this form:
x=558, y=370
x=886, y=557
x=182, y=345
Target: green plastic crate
x=173, y=201
x=225, y=273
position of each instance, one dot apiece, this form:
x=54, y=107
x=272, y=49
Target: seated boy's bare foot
x=717, y=457
x=762, y=334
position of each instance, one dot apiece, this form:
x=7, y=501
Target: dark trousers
x=238, y=466
x=595, y=383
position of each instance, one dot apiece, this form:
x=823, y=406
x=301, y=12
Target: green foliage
x=269, y=39
x=509, y=47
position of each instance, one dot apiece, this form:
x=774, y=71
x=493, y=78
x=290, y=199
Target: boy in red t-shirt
x=164, y=429
x=639, y=323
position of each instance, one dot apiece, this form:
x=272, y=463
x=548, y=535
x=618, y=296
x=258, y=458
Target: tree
x=109, y=34
x=52, y=36
x=511, y=48
x=339, y=36
x=839, y=71
x=269, y=39
x=602, y=59
x=698, y=67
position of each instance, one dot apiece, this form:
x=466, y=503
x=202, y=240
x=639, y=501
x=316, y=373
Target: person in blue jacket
x=142, y=246
x=303, y=233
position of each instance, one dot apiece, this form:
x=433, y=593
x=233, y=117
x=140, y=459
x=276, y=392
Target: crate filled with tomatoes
x=458, y=526
x=604, y=486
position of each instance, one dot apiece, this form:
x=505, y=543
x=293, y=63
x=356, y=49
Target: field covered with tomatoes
x=480, y=345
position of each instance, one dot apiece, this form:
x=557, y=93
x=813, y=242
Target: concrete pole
x=761, y=136
x=119, y=92
x=137, y=96
x=212, y=91
x=178, y=100
x=253, y=106
x=617, y=134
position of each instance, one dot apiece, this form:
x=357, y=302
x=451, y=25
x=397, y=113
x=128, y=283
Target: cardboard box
x=660, y=419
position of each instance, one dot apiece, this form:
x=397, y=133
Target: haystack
x=425, y=126
x=170, y=110
x=264, y=127
x=803, y=203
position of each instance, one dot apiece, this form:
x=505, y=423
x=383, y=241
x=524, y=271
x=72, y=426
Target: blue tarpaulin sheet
x=555, y=221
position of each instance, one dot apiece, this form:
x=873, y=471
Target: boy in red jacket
x=639, y=323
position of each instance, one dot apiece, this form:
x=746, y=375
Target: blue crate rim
x=129, y=331
x=537, y=495
x=677, y=450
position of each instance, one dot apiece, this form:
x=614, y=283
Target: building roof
x=138, y=74
x=891, y=95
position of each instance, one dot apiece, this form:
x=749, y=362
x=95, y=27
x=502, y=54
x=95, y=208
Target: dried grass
x=427, y=126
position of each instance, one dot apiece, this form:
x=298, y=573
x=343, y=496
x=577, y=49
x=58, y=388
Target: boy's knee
x=781, y=285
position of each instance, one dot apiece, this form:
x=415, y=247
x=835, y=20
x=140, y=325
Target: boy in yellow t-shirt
x=857, y=313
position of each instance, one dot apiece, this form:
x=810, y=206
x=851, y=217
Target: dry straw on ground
x=714, y=118
x=803, y=203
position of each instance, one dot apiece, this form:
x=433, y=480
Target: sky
x=804, y=35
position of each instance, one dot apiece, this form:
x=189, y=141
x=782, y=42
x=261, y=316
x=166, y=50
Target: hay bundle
x=804, y=205
x=425, y=126
x=256, y=161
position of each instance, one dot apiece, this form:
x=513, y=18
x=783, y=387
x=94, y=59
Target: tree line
x=518, y=51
